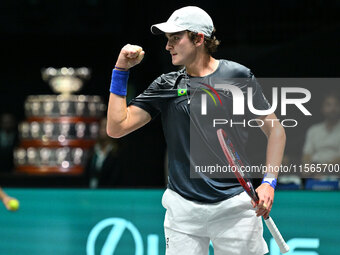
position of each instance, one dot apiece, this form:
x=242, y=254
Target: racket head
x=236, y=164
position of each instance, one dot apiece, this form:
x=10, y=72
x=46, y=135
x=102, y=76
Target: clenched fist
x=129, y=56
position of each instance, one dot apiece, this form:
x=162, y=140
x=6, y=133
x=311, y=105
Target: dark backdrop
x=282, y=38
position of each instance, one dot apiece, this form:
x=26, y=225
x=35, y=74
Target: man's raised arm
x=121, y=119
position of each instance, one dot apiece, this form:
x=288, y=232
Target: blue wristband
x=272, y=181
x=119, y=82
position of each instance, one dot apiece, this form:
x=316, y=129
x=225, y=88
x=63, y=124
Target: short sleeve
x=160, y=90
x=149, y=100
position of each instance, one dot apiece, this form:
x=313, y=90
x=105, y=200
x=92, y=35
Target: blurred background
x=281, y=39
x=275, y=39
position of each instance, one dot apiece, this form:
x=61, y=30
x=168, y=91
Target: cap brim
x=166, y=27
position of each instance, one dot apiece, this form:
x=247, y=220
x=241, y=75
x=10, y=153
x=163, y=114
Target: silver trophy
x=57, y=125
x=64, y=107
x=48, y=128
x=77, y=155
x=20, y=156
x=41, y=156
x=45, y=156
x=48, y=107
x=94, y=130
x=24, y=130
x=80, y=107
x=35, y=130
x=35, y=108
x=64, y=128
x=32, y=156
x=80, y=130
x=61, y=155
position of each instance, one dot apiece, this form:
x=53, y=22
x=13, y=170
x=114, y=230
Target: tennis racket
x=236, y=165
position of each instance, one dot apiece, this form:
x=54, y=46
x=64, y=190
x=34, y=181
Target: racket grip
x=277, y=235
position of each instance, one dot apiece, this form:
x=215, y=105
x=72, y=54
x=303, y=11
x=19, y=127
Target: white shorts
x=231, y=225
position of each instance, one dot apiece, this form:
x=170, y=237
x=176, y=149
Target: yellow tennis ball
x=13, y=204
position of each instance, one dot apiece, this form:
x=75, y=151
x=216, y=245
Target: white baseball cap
x=190, y=18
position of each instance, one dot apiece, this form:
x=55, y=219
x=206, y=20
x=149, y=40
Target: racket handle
x=277, y=235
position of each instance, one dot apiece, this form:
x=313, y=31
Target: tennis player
x=199, y=210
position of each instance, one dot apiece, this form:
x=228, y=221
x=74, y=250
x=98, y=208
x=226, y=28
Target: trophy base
x=50, y=170
x=86, y=144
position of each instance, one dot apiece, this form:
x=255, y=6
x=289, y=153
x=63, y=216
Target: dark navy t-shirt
x=190, y=136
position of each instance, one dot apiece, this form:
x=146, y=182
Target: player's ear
x=199, y=39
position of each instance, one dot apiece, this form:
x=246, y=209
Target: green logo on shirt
x=181, y=92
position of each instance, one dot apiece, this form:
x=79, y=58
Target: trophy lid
x=65, y=80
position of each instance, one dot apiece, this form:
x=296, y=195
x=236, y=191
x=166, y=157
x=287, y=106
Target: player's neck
x=202, y=66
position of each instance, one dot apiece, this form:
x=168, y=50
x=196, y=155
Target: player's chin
x=177, y=62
